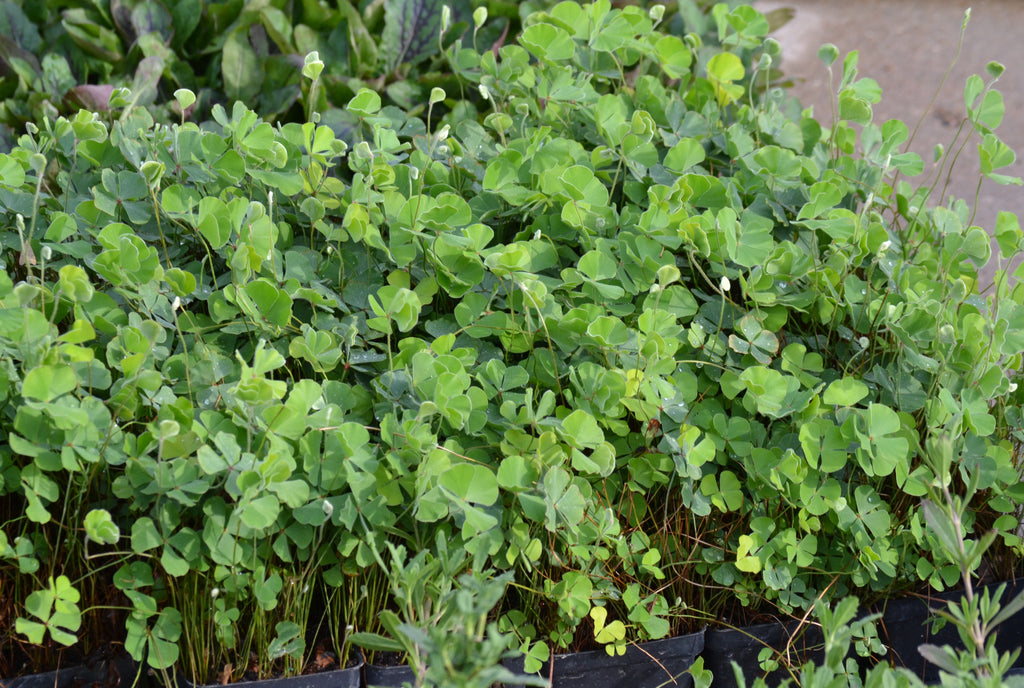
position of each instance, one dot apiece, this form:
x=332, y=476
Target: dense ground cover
x=596, y=337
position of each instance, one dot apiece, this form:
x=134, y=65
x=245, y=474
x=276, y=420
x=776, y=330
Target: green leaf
x=47, y=382
x=767, y=387
x=158, y=644
x=600, y=461
x=611, y=115
x=614, y=36
x=941, y=524
x=978, y=245
x=450, y=211
x=608, y=331
x=940, y=657
x=563, y=501
x=778, y=161
x=845, y=392
x=471, y=483
x=746, y=554
x=990, y=114
x=679, y=301
x=182, y=283
x=147, y=78
x=100, y=527
x=581, y=430
x=725, y=67
x=267, y=589
x=516, y=473
x=61, y=227
x=396, y=304
x=12, y=174
x=1008, y=610
x=75, y=284
x=293, y=493
x=261, y=512
x=241, y=68
x=375, y=642
x=56, y=608
x=820, y=497
x=581, y=185
x=548, y=42
x=1008, y=234
x=137, y=18
x=289, y=640
x=214, y=221
x=995, y=154
x=16, y=26
x=684, y=155
x=727, y=495
x=145, y=535
x=824, y=445
x=673, y=56
x=321, y=349
x=363, y=48
x=882, y=448
x=279, y=28
x=411, y=29
x=273, y=304
x=824, y=196
x=178, y=199
x=855, y=109
x=365, y=103
x=754, y=241
x=872, y=511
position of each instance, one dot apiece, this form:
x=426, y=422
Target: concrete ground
x=907, y=46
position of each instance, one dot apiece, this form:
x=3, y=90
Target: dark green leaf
x=241, y=67
x=411, y=29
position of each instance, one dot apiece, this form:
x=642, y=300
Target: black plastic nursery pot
x=381, y=676
x=384, y=676
x=104, y=673
x=349, y=677
x=907, y=623
x=652, y=664
x=516, y=664
x=791, y=644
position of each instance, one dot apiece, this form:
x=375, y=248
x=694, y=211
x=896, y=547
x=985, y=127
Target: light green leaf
x=365, y=103
x=581, y=430
x=47, y=382
x=100, y=527
x=548, y=42
x=684, y=155
x=471, y=483
x=75, y=284
x=261, y=512
x=725, y=67
x=845, y=392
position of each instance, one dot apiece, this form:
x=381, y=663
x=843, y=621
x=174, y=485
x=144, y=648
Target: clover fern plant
x=611, y=315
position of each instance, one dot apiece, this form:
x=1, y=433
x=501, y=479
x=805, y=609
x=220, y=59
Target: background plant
x=59, y=56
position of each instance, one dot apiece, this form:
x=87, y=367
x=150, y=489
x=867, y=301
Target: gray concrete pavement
x=907, y=46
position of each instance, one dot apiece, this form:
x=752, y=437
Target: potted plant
x=603, y=343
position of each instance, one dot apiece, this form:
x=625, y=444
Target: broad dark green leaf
x=411, y=30
x=241, y=67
